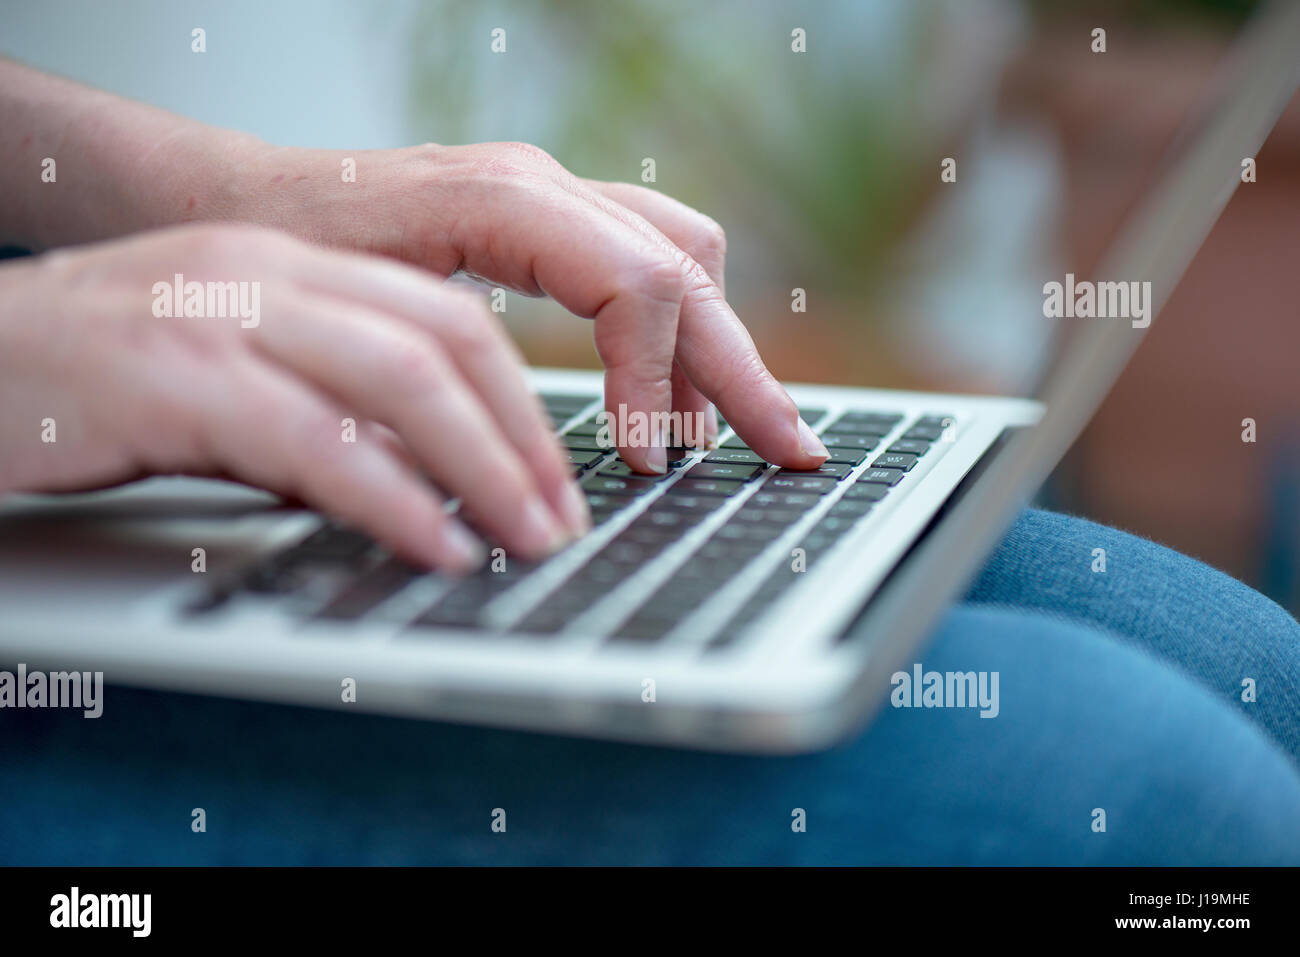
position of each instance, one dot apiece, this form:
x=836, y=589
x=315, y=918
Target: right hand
x=433, y=382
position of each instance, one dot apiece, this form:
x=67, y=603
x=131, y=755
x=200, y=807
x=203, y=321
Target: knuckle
x=468, y=333
x=411, y=366
x=531, y=154
x=466, y=323
x=698, y=281
x=710, y=240
x=319, y=432
x=662, y=279
x=515, y=161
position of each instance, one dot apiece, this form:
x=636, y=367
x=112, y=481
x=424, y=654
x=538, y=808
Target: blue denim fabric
x=1118, y=691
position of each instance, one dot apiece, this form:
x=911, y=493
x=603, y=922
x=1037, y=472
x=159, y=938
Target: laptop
x=728, y=605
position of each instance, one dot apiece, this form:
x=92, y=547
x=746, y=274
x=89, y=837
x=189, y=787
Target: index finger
x=713, y=347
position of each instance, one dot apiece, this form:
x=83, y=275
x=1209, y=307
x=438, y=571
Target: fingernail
x=540, y=534
x=711, y=427
x=462, y=547
x=808, y=441
x=574, y=510
x=656, y=459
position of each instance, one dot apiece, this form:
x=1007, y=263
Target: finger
x=528, y=232
x=704, y=241
x=483, y=354
x=270, y=429
x=390, y=372
x=529, y=229
x=714, y=349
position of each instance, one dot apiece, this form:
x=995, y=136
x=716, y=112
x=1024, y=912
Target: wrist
x=198, y=174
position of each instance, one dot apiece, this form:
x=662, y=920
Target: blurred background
x=816, y=133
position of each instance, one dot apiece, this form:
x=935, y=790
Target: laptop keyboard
x=704, y=549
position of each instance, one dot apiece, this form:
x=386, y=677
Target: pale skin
x=357, y=320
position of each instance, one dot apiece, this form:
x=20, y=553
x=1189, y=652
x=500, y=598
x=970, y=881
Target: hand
x=432, y=381
x=648, y=269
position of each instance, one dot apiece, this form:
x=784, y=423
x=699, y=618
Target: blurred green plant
x=812, y=154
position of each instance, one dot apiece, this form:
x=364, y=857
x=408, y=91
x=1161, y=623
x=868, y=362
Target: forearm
x=118, y=166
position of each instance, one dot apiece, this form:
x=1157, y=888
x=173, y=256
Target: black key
x=909, y=447
x=620, y=469
x=588, y=427
x=673, y=460
x=295, y=571
x=694, y=486
x=667, y=518
x=567, y=398
x=852, y=440
x=459, y=608
x=644, y=626
x=376, y=586
x=811, y=415
x=783, y=500
x=882, y=476
x=734, y=457
x=613, y=485
x=545, y=620
x=818, y=544
x=865, y=491
x=768, y=516
x=795, y=482
x=731, y=553
x=693, y=504
x=684, y=592
x=892, y=418
x=272, y=578
x=833, y=431
x=585, y=459
x=927, y=432
x=866, y=423
x=624, y=552
x=581, y=443
x=597, y=577
x=723, y=470
x=828, y=470
x=843, y=456
x=677, y=455
x=702, y=570
x=895, y=460
x=935, y=421
x=562, y=413
x=833, y=525
x=735, y=442
x=748, y=532
x=332, y=544
x=598, y=502
x=852, y=506
x=650, y=537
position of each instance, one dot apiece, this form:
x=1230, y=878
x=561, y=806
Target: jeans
x=1123, y=737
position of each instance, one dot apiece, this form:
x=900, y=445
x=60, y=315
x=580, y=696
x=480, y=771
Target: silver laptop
x=727, y=605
